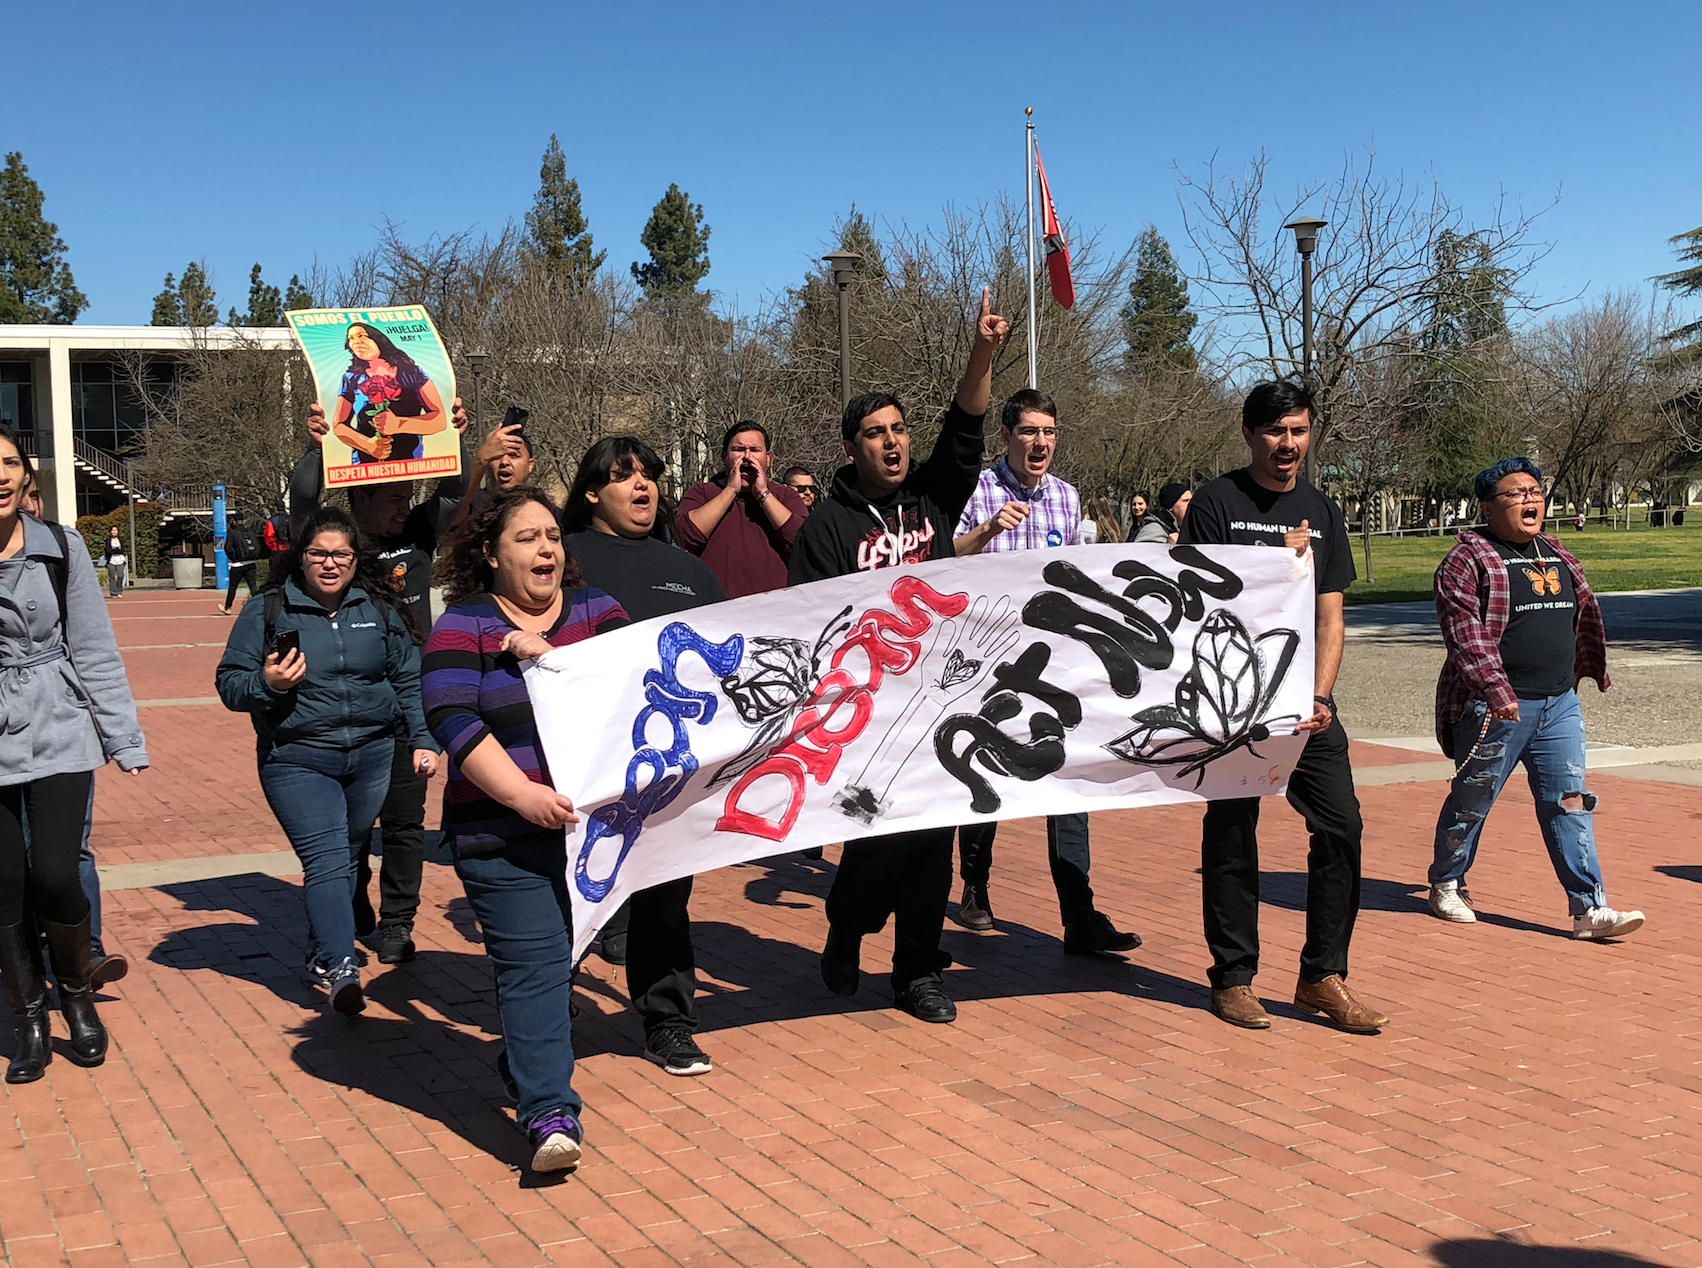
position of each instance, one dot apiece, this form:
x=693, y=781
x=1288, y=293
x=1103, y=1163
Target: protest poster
x=989, y=687
x=387, y=388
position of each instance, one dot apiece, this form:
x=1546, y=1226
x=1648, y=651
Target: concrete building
x=66, y=392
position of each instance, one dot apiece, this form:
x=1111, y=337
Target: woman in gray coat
x=65, y=709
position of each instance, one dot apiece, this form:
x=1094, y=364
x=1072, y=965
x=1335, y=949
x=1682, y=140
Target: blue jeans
x=520, y=900
x=1549, y=739
x=325, y=799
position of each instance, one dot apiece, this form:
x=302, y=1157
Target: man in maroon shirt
x=740, y=524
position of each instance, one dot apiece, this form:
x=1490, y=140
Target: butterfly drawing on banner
x=1544, y=580
x=1220, y=702
x=777, y=676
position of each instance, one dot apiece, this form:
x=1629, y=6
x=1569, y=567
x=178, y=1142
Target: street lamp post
x=477, y=361
x=844, y=265
x=1306, y=242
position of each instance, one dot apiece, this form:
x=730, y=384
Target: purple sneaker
x=555, y=1141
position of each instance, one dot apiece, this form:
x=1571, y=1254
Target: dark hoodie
x=849, y=533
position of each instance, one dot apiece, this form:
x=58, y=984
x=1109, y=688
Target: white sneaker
x=1450, y=901
x=1605, y=922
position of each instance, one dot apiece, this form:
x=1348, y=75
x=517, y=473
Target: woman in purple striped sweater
x=514, y=593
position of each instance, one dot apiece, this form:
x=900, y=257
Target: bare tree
x=1380, y=272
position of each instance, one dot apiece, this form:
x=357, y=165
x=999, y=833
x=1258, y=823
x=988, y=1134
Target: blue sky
x=167, y=132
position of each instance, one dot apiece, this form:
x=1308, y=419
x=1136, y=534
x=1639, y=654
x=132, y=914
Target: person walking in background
x=275, y=533
x=740, y=523
x=1045, y=511
x=1269, y=503
x=113, y=561
x=612, y=516
x=403, y=536
x=883, y=514
x=1104, y=520
x=514, y=593
x=327, y=670
x=1163, y=524
x=802, y=482
x=1522, y=630
x=242, y=558
x=67, y=710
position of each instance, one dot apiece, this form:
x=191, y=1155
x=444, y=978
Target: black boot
x=68, y=946
x=20, y=968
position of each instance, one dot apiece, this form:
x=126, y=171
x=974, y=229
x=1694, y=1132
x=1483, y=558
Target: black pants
x=402, y=820
x=1321, y=789
x=48, y=867
x=240, y=573
x=1066, y=854
x=661, y=971
x=907, y=876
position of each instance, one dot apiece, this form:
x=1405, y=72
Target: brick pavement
x=1534, y=1101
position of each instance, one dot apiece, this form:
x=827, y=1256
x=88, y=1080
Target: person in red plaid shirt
x=1522, y=630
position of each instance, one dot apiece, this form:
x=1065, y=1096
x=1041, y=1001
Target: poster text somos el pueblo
x=386, y=385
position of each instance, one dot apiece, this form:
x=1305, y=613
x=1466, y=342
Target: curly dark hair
x=370, y=575
x=464, y=571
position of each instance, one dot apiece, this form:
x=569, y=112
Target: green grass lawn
x=1641, y=558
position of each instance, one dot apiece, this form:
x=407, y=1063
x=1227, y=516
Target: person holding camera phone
x=741, y=525
x=505, y=458
x=327, y=669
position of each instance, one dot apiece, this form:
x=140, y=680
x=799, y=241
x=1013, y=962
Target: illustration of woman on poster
x=387, y=402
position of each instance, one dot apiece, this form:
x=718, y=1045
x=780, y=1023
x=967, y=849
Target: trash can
x=186, y=572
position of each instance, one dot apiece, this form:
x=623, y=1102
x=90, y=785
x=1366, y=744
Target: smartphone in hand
x=517, y=417
x=288, y=641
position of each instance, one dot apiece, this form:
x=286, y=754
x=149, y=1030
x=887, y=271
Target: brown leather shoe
x=1238, y=1006
x=1332, y=998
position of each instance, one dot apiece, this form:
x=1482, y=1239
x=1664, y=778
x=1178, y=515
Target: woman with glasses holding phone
x=327, y=669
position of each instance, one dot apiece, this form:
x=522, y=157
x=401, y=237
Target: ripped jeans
x=1549, y=739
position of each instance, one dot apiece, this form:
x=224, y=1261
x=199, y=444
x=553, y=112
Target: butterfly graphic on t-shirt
x=1544, y=580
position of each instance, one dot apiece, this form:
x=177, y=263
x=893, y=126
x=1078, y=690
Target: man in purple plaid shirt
x=1522, y=630
x=1018, y=504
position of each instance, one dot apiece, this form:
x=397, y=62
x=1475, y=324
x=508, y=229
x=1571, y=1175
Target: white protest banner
x=990, y=687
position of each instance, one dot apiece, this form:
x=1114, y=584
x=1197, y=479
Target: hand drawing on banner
x=771, y=686
x=1220, y=702
x=963, y=652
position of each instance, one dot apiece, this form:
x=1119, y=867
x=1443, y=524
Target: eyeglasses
x=1530, y=493
x=342, y=558
x=803, y=488
x=1036, y=433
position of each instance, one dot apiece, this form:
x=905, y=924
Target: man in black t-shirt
x=1267, y=503
x=611, y=520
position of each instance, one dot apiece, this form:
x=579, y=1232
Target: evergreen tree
x=858, y=235
x=1157, y=321
x=678, y=242
x=168, y=305
x=1685, y=343
x=265, y=304
x=198, y=304
x=36, y=286
x=297, y=296
x=557, y=233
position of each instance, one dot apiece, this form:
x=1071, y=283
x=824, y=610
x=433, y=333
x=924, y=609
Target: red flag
x=1057, y=250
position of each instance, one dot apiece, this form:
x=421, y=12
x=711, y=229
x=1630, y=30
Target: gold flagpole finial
x=1029, y=111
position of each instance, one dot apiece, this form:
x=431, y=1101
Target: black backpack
x=239, y=544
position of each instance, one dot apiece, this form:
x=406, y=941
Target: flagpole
x=1033, y=329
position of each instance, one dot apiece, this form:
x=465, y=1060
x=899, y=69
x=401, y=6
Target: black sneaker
x=974, y=912
x=612, y=947
x=673, y=1048
x=395, y=944
x=366, y=920
x=344, y=985
x=841, y=961
x=1094, y=934
x=926, y=1000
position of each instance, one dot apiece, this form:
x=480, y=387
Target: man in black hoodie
x=882, y=514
